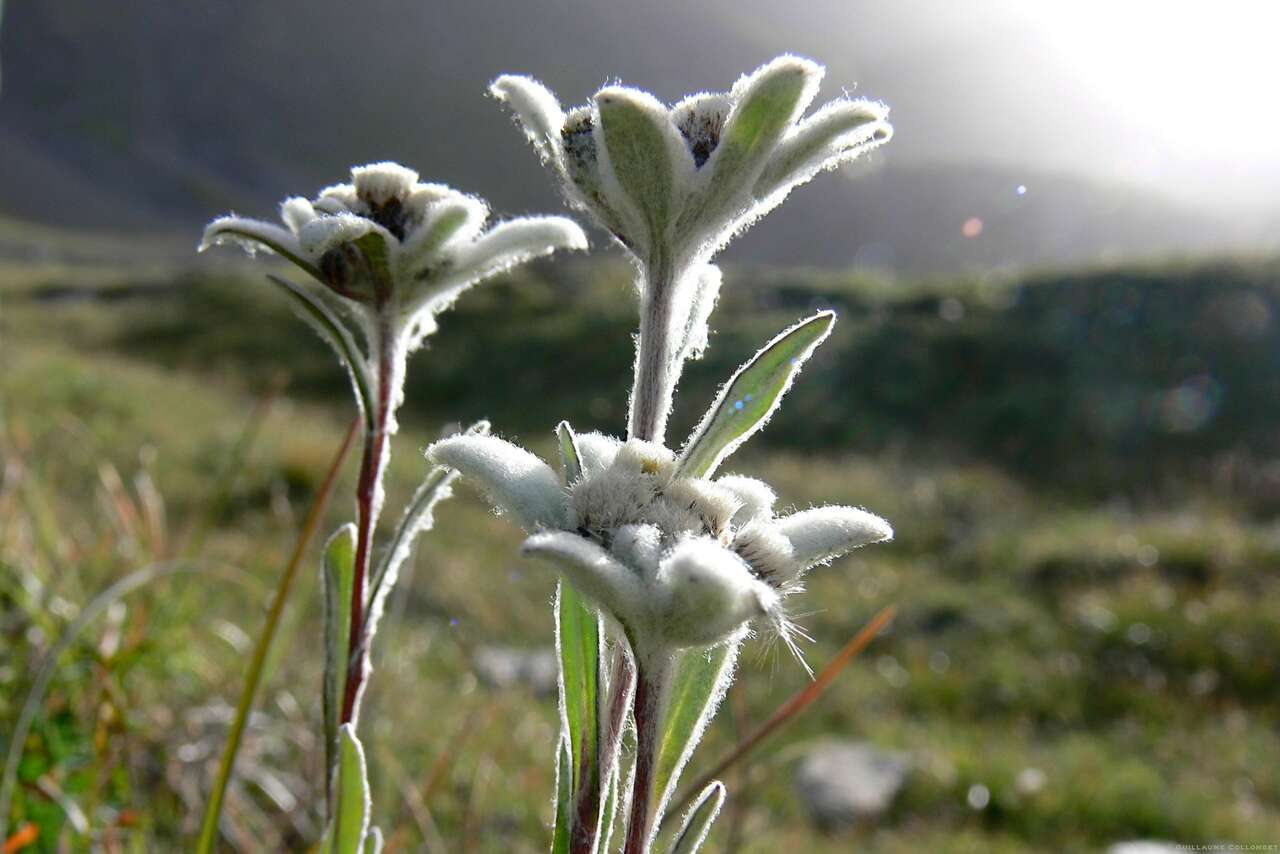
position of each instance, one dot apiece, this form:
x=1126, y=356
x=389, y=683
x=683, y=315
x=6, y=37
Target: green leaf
x=377, y=254
x=564, y=800
x=332, y=329
x=697, y=823
x=697, y=686
x=578, y=639
x=339, y=581
x=347, y=831
x=636, y=135
x=570, y=460
x=751, y=395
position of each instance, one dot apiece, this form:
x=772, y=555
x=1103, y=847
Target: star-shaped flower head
x=391, y=253
x=677, y=558
x=675, y=184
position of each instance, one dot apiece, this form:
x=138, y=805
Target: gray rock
x=845, y=782
x=507, y=667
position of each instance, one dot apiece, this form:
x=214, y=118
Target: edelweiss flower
x=675, y=184
x=677, y=561
x=398, y=252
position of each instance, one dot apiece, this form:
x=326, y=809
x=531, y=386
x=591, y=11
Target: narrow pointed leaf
x=350, y=822
x=697, y=824
x=339, y=581
x=697, y=686
x=578, y=644
x=338, y=336
x=570, y=459
x=609, y=814
x=269, y=236
x=751, y=395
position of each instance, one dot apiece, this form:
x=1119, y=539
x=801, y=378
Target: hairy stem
x=654, y=374
x=651, y=684
x=368, y=504
x=587, y=823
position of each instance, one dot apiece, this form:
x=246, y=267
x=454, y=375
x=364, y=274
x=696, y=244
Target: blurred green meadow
x=1081, y=469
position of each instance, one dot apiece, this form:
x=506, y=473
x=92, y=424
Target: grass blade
x=44, y=673
x=209, y=827
x=798, y=702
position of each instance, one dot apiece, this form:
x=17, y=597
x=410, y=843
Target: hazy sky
x=1177, y=94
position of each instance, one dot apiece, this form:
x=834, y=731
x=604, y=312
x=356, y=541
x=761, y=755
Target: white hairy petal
x=766, y=103
x=591, y=570
x=757, y=497
x=251, y=235
x=772, y=558
x=324, y=233
x=296, y=212
x=596, y=451
x=825, y=533
x=443, y=223
x=337, y=199
x=515, y=481
x=833, y=135
x=515, y=242
x=379, y=183
x=706, y=592
x=695, y=504
x=639, y=546
x=644, y=163
x=536, y=109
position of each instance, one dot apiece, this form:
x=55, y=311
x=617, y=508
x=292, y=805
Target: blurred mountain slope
x=146, y=113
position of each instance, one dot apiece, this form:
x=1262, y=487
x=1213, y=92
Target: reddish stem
x=587, y=818
x=647, y=708
x=372, y=466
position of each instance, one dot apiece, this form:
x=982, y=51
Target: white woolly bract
x=536, y=111
x=592, y=571
x=379, y=183
x=596, y=451
x=639, y=547
x=296, y=212
x=756, y=496
x=320, y=235
x=825, y=533
x=506, y=245
x=251, y=235
x=514, y=480
x=706, y=592
x=811, y=145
